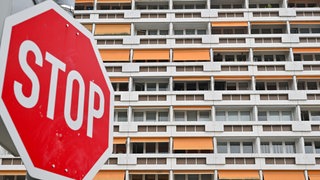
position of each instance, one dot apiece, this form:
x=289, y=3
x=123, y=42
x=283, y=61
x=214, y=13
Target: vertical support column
x=131, y=55
x=298, y=113
x=133, y=4
x=211, y=55
x=306, y=177
x=130, y=114
x=257, y=145
x=170, y=4
x=251, y=55
x=261, y=174
x=294, y=83
x=132, y=29
x=215, y=175
x=171, y=145
x=285, y=4
x=291, y=56
x=208, y=4
x=213, y=113
x=171, y=29
x=255, y=113
x=288, y=27
x=93, y=29
x=215, y=145
x=127, y=177
x=249, y=28
x=300, y=146
x=212, y=84
x=246, y=4
x=253, y=83
x=171, y=114
x=171, y=83
x=95, y=4
x=209, y=28
x=128, y=146
x=130, y=84
x=171, y=175
x=171, y=55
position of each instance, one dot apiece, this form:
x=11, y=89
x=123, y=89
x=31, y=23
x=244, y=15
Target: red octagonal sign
x=56, y=99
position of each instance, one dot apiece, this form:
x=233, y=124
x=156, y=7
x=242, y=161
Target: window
x=138, y=116
x=265, y=148
x=230, y=86
x=260, y=86
x=230, y=57
x=290, y=147
x=163, y=116
x=150, y=147
x=233, y=116
x=275, y=116
x=190, y=31
x=304, y=30
x=201, y=31
x=121, y=116
x=149, y=176
x=305, y=116
x=315, y=115
x=179, y=116
x=193, y=177
x=269, y=57
x=192, y=115
x=247, y=147
x=152, y=32
x=163, y=147
x=312, y=85
x=191, y=86
x=178, y=32
x=272, y=86
x=245, y=116
x=262, y=116
x=220, y=116
x=280, y=57
x=139, y=86
x=234, y=147
x=277, y=147
x=317, y=147
x=286, y=116
x=308, y=147
x=163, y=86
x=137, y=148
x=164, y=32
x=204, y=115
x=152, y=116
x=222, y=147
x=312, y=147
x=120, y=86
x=150, y=86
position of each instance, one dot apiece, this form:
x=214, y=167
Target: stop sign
x=56, y=99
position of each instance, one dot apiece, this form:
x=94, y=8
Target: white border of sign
x=18, y=18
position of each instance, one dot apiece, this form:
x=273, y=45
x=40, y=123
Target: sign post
x=56, y=99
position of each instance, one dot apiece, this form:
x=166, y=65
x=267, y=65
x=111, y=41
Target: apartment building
x=208, y=89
